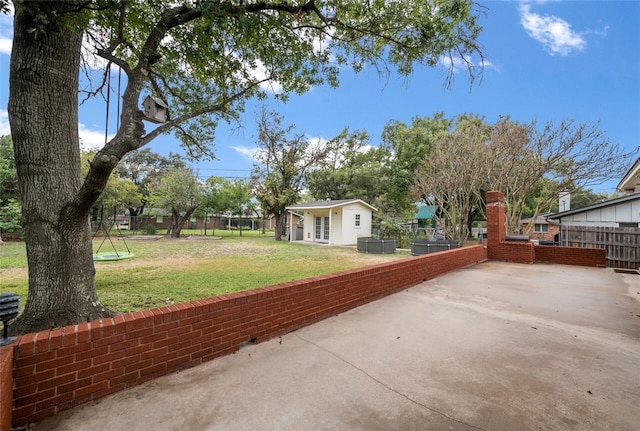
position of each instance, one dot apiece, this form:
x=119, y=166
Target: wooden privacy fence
x=622, y=244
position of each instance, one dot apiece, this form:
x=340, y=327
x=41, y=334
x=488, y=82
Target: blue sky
x=545, y=60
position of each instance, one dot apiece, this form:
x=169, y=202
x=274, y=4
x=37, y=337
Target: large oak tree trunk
x=43, y=114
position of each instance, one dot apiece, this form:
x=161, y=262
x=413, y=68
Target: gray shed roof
x=326, y=204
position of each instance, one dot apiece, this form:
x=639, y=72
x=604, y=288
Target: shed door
x=322, y=228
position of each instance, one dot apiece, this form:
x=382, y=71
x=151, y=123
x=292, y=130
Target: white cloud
x=4, y=122
x=250, y=153
x=5, y=45
x=317, y=141
x=246, y=152
x=457, y=64
x=255, y=73
x=553, y=32
x=260, y=73
x=489, y=65
x=91, y=139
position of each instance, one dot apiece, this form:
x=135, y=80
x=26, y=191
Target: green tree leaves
x=8, y=174
x=179, y=191
x=283, y=161
x=229, y=198
x=352, y=169
x=205, y=59
x=10, y=215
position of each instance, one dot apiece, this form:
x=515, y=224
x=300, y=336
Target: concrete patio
x=496, y=346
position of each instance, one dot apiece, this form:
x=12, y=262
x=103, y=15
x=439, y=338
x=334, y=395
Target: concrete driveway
x=497, y=346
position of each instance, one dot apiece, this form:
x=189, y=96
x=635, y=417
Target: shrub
x=403, y=240
x=149, y=229
x=10, y=215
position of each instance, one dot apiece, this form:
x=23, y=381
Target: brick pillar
x=496, y=229
x=6, y=387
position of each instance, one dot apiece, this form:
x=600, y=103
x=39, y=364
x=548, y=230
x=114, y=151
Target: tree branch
x=218, y=107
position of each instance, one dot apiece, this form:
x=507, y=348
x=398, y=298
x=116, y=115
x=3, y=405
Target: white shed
x=335, y=222
x=620, y=212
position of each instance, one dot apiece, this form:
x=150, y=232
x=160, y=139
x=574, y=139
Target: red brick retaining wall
x=6, y=385
x=527, y=252
x=517, y=252
x=571, y=255
x=498, y=248
x=59, y=369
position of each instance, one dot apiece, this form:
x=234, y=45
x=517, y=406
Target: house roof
x=426, y=212
x=611, y=202
x=541, y=219
x=292, y=212
x=328, y=204
x=631, y=179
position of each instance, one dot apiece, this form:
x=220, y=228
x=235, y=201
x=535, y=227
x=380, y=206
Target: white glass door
x=321, y=228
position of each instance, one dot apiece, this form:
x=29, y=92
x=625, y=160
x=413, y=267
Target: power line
x=221, y=169
x=204, y=177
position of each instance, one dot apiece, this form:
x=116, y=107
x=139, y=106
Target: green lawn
x=166, y=271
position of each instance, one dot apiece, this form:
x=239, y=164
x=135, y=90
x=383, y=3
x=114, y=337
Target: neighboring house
x=619, y=212
x=630, y=183
x=161, y=219
x=339, y=222
x=542, y=229
x=270, y=223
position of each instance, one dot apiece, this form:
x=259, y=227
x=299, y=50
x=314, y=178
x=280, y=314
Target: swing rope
x=119, y=233
x=106, y=138
x=118, y=104
x=106, y=236
x=106, y=122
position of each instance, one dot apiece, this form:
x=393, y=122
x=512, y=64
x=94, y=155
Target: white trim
x=330, y=205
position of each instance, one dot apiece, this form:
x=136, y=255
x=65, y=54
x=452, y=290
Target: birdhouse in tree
x=155, y=110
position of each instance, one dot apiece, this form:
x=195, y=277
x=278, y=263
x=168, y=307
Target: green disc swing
x=105, y=256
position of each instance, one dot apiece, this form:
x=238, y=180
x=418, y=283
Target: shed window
x=541, y=228
x=357, y=220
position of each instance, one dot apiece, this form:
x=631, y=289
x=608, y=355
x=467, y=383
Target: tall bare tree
x=569, y=154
